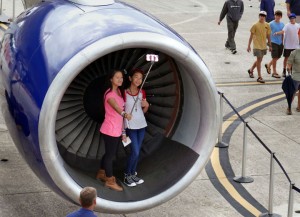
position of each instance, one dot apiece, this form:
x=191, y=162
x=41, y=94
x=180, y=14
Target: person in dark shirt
x=268, y=6
x=87, y=201
x=293, y=6
x=233, y=10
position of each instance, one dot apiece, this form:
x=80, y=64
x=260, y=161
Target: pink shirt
x=113, y=121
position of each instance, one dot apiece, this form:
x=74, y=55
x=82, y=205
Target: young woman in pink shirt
x=112, y=128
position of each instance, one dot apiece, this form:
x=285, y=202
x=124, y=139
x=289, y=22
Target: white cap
x=263, y=13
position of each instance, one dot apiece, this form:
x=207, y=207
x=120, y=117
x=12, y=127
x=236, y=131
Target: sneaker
x=137, y=180
x=129, y=181
x=233, y=51
x=227, y=45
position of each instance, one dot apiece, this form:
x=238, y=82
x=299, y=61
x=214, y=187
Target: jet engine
x=54, y=62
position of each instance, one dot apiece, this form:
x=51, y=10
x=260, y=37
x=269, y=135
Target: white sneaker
x=137, y=180
x=129, y=181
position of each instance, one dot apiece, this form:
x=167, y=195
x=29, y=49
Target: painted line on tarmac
x=247, y=83
x=3, y=26
x=219, y=168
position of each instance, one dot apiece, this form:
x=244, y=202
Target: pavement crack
x=32, y=192
x=275, y=130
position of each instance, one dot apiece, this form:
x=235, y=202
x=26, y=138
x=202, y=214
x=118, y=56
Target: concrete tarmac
x=213, y=193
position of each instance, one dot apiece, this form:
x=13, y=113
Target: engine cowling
x=54, y=61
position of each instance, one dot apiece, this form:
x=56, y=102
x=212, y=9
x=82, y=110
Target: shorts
x=259, y=53
x=287, y=52
x=276, y=50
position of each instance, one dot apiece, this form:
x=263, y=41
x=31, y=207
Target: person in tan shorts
x=259, y=32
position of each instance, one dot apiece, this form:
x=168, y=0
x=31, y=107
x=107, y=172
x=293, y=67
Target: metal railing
x=246, y=179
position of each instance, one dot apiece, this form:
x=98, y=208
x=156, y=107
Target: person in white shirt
x=291, y=39
x=136, y=127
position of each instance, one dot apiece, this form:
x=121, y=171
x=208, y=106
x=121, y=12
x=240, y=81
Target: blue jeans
x=136, y=137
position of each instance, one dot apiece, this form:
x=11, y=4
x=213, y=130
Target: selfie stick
x=150, y=58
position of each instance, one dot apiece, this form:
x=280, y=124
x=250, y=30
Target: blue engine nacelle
x=54, y=60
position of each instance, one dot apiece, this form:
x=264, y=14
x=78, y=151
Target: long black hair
x=108, y=84
x=126, y=83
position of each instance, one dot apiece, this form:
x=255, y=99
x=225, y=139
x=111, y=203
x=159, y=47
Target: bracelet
x=123, y=133
x=123, y=113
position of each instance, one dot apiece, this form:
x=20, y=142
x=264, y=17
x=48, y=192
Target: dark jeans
x=231, y=27
x=111, y=147
x=136, y=137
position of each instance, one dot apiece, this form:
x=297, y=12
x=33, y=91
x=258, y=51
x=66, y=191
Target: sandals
x=260, y=80
x=250, y=74
x=298, y=109
x=268, y=69
x=288, y=111
x=275, y=75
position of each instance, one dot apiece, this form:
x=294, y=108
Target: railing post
x=244, y=178
x=221, y=144
x=291, y=201
x=271, y=189
x=14, y=9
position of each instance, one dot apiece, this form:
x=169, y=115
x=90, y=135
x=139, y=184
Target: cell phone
x=152, y=57
x=128, y=141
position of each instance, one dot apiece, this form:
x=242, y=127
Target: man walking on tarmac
x=233, y=10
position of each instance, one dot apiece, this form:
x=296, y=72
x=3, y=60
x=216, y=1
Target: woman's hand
x=124, y=138
x=128, y=116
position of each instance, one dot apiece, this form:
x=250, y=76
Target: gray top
x=234, y=10
x=294, y=60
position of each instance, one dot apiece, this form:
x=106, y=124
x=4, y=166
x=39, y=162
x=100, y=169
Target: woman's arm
x=145, y=105
x=144, y=102
x=112, y=102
